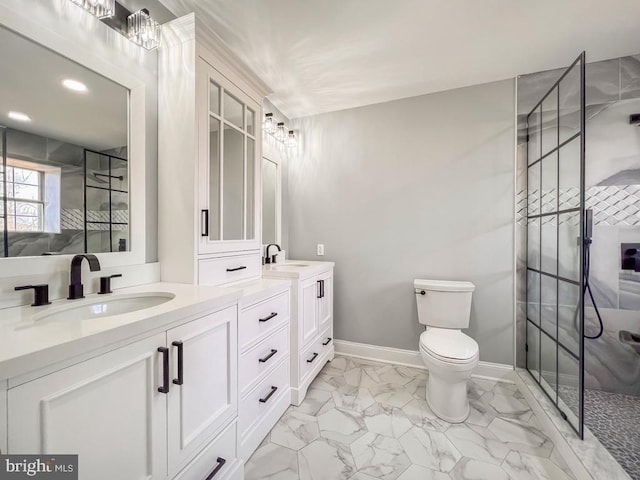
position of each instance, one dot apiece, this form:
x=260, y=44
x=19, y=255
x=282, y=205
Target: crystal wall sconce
x=139, y=27
x=99, y=8
x=278, y=131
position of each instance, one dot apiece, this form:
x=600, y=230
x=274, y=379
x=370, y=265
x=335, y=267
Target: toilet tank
x=443, y=304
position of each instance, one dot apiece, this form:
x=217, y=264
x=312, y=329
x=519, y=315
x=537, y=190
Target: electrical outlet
x=320, y=249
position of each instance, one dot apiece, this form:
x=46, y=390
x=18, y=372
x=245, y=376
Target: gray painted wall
x=416, y=188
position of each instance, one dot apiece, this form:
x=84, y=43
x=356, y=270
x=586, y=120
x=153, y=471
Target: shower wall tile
x=603, y=81
x=630, y=77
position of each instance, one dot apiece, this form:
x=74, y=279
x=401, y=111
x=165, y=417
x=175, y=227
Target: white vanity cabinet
x=162, y=407
x=107, y=410
x=264, y=366
x=311, y=321
x=209, y=169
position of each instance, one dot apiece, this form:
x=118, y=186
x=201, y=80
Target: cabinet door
x=107, y=410
x=228, y=168
x=309, y=309
x=207, y=396
x=325, y=302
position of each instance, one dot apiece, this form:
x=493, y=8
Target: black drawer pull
x=271, y=354
x=268, y=396
x=180, y=379
x=221, y=461
x=268, y=317
x=315, y=355
x=165, y=370
x=236, y=269
x=327, y=342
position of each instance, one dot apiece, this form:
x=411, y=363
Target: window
x=25, y=204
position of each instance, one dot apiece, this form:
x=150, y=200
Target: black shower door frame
x=535, y=123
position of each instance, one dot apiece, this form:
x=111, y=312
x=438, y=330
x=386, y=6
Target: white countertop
x=254, y=291
x=27, y=343
x=295, y=268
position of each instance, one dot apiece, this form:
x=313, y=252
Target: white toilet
x=450, y=355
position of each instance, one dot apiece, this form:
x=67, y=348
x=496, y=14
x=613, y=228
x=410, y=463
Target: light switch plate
x=320, y=249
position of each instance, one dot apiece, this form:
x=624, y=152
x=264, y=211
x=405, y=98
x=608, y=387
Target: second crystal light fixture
x=279, y=131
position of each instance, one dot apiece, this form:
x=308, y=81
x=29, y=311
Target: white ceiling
x=31, y=84
x=320, y=56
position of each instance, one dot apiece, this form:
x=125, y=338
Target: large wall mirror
x=270, y=201
x=64, y=151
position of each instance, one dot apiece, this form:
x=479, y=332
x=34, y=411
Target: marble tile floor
x=363, y=420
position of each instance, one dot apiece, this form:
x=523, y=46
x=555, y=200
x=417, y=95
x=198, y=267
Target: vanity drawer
x=221, y=270
x=257, y=321
x=258, y=401
x=223, y=447
x=261, y=358
x=310, y=358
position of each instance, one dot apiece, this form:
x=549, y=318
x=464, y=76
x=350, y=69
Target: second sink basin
x=105, y=307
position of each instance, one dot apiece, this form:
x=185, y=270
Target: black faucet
x=76, y=289
x=273, y=257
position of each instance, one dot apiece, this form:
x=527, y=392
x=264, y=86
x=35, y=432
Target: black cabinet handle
x=205, y=223
x=266, y=398
x=268, y=317
x=220, y=463
x=236, y=269
x=165, y=370
x=322, y=287
x=271, y=354
x=319, y=282
x=180, y=379
x=315, y=355
x=327, y=342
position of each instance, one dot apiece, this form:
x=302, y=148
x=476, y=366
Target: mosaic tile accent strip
x=73, y=218
x=615, y=420
x=612, y=204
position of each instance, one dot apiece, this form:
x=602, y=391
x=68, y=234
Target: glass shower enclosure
x=555, y=243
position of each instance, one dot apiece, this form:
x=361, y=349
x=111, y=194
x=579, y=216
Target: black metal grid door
x=555, y=243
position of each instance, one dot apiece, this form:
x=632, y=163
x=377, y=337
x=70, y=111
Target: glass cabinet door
x=228, y=165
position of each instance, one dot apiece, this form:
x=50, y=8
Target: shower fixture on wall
x=588, y=235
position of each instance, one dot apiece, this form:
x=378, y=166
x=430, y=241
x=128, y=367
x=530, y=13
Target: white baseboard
x=411, y=358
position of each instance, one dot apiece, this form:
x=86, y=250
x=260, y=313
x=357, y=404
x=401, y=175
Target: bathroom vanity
x=311, y=319
x=125, y=391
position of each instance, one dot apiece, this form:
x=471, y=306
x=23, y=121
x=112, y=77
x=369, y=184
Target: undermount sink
x=105, y=307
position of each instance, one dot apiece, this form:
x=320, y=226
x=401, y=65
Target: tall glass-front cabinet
x=209, y=129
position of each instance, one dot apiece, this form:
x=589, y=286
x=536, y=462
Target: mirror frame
x=278, y=162
x=23, y=20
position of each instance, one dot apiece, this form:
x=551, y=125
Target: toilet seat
x=449, y=345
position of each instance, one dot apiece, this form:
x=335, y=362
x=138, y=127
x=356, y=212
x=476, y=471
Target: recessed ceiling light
x=74, y=85
x=19, y=116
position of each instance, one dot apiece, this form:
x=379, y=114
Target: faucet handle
x=41, y=294
x=105, y=283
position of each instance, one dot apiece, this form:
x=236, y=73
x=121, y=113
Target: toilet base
x=446, y=391
x=446, y=415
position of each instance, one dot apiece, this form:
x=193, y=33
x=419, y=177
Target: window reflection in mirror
x=269, y=201
x=64, y=173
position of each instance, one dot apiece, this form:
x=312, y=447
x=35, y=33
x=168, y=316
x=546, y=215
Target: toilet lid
x=448, y=343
